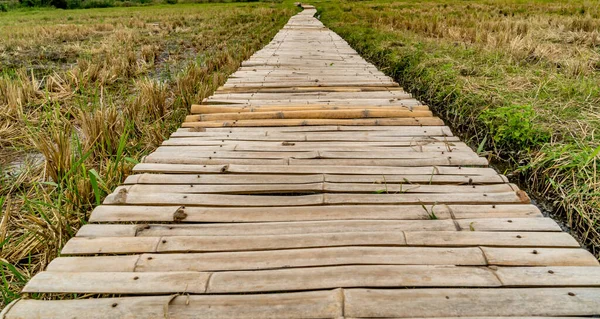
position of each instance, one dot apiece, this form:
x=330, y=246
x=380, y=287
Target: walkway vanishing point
x=312, y=186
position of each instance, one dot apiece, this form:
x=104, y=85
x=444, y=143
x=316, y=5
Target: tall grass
x=106, y=88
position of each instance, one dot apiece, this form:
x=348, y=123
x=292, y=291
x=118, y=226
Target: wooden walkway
x=312, y=186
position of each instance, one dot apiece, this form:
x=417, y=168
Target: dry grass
x=520, y=79
x=84, y=94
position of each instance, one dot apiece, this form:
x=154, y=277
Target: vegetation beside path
x=84, y=94
x=518, y=79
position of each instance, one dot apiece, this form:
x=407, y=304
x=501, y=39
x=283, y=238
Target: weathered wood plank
x=351, y=276
x=314, y=169
x=299, y=305
x=285, y=258
x=146, y=283
x=416, y=121
x=122, y=197
x=90, y=245
x=539, y=257
x=117, y=245
x=240, y=179
x=270, y=228
x=310, y=114
x=549, y=276
x=118, y=213
x=385, y=303
x=318, y=187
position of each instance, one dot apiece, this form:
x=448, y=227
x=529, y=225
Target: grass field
x=84, y=94
x=518, y=79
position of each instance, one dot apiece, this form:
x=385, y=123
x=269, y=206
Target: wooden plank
x=426, y=199
x=502, y=224
x=240, y=179
x=225, y=200
x=210, y=109
x=424, y=179
x=285, y=258
x=506, y=239
x=118, y=213
x=298, y=305
x=549, y=276
x=314, y=169
x=387, y=303
x=330, y=128
x=330, y=137
x=456, y=158
x=441, y=161
x=95, y=308
x=209, y=160
x=413, y=144
x=110, y=245
x=118, y=282
x=269, y=228
x=211, y=179
x=539, y=257
x=116, y=245
x=215, y=161
x=408, y=131
x=383, y=94
x=495, y=211
x=416, y=121
x=122, y=197
x=321, y=187
x=310, y=114
x=225, y=189
x=351, y=276
x=101, y=263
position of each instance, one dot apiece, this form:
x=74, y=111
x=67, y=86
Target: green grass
x=85, y=94
x=519, y=80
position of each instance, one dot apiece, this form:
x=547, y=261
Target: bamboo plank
x=310, y=114
x=120, y=245
x=417, y=121
x=119, y=213
x=387, y=303
x=114, y=245
x=106, y=213
x=278, y=259
x=549, y=276
x=322, y=187
x=217, y=109
x=234, y=179
x=539, y=257
x=118, y=282
x=320, y=131
x=225, y=200
x=506, y=239
x=351, y=276
x=269, y=228
x=313, y=169
x=502, y=224
x=298, y=305
x=240, y=179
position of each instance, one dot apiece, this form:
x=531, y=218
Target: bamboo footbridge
x=311, y=186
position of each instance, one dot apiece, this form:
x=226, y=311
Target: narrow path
x=312, y=186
